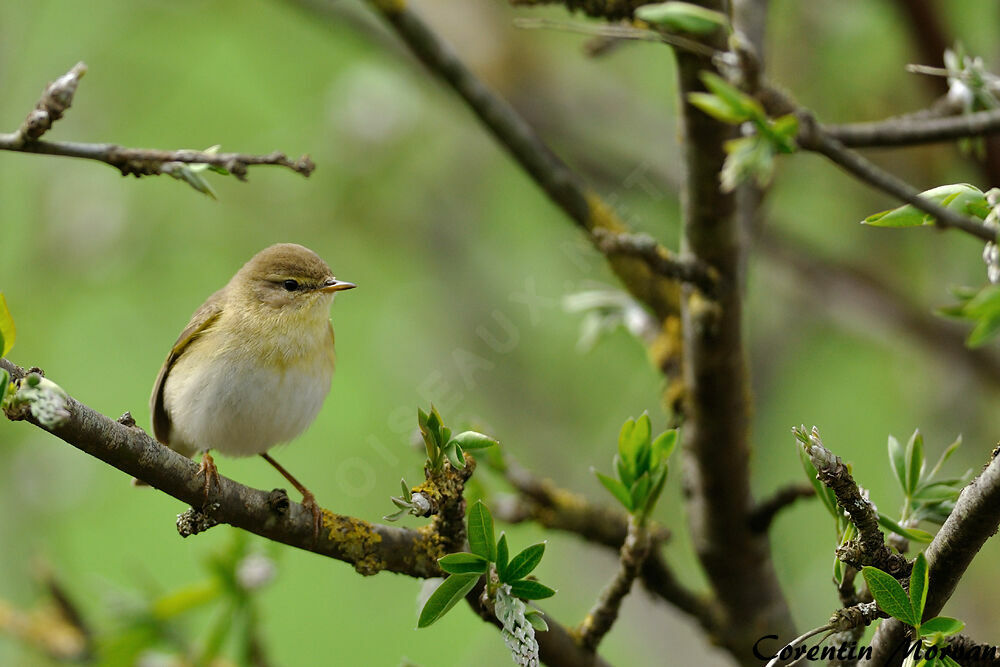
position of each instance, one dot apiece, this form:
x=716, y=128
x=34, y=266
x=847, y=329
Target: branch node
x=194, y=521
x=278, y=501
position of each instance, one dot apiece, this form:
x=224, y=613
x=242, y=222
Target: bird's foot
x=208, y=470
x=309, y=502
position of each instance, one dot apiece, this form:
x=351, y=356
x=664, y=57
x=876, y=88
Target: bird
x=253, y=366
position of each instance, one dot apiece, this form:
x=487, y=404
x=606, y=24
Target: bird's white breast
x=230, y=402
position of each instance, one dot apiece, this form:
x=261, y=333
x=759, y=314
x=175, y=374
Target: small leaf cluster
x=407, y=503
x=641, y=466
x=682, y=17
x=441, y=445
x=961, y=198
x=487, y=556
x=925, y=497
x=750, y=157
x=909, y=609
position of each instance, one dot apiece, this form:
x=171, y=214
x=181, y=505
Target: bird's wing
x=202, y=319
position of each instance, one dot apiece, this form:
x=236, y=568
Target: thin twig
x=812, y=137
x=57, y=98
x=900, y=132
x=617, y=32
x=604, y=613
x=658, y=258
x=869, y=548
x=542, y=501
x=764, y=511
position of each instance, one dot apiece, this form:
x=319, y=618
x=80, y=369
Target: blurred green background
x=445, y=237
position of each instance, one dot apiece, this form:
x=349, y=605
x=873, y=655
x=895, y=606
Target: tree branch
x=542, y=501
x=370, y=548
x=812, y=137
x=974, y=520
x=57, y=98
x=716, y=408
x=869, y=548
x=605, y=611
x=611, y=10
x=913, y=131
x=658, y=258
x=764, y=511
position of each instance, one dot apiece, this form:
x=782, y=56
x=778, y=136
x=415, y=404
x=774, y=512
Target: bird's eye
x=291, y=285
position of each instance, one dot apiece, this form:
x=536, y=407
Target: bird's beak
x=334, y=285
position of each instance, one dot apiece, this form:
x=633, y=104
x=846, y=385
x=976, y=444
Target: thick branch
x=370, y=548
x=974, y=520
x=737, y=560
x=912, y=131
x=56, y=99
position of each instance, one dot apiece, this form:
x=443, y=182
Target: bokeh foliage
x=444, y=237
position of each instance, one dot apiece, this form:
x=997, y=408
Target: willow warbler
x=254, y=364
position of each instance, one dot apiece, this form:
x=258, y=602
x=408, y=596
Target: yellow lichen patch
x=602, y=216
x=357, y=540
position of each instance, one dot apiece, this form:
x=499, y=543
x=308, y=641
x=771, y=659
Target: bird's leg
x=210, y=472
x=308, y=499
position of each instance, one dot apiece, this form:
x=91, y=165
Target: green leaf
x=732, y=95
x=937, y=491
x=946, y=455
x=470, y=440
x=682, y=17
x=422, y=419
x=897, y=458
x=914, y=461
x=889, y=595
x=4, y=385
x=659, y=480
x=617, y=489
x=625, y=474
x=525, y=562
x=530, y=590
x=463, y=563
x=914, y=534
x=640, y=437
x=481, y=539
x=537, y=622
x=663, y=447
x=984, y=331
x=948, y=661
x=918, y=587
x=626, y=457
x=453, y=589
x=407, y=493
x=454, y=453
x=8, y=333
x=718, y=108
x=959, y=197
x=943, y=625
x=640, y=491
x=502, y=556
